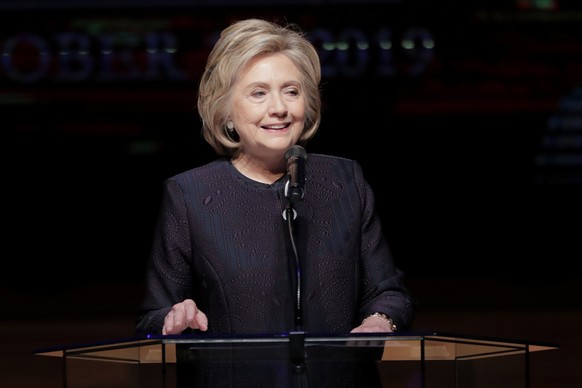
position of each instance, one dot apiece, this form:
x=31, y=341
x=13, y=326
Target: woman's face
x=268, y=106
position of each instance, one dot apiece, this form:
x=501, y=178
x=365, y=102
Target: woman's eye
x=258, y=93
x=292, y=92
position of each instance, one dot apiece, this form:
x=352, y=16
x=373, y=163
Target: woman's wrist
x=383, y=316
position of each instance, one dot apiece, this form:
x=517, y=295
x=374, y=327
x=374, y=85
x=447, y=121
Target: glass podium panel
x=298, y=359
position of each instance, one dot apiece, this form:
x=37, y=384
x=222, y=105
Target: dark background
x=471, y=139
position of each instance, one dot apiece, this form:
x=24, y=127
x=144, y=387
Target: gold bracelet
x=384, y=316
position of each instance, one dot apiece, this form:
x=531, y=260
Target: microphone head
x=294, y=188
x=296, y=151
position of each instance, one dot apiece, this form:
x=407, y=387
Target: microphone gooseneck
x=294, y=192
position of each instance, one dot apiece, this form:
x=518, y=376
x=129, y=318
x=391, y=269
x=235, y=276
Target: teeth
x=275, y=126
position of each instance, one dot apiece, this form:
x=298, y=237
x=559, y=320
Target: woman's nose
x=278, y=106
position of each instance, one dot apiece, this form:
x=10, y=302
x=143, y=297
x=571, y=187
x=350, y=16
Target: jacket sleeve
x=383, y=283
x=168, y=277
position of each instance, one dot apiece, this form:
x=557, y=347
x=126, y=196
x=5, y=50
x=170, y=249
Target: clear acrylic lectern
x=299, y=359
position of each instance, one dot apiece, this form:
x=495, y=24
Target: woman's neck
x=259, y=170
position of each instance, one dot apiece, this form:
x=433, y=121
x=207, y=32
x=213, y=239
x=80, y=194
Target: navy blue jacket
x=221, y=240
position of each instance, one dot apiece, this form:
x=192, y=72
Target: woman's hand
x=374, y=324
x=184, y=315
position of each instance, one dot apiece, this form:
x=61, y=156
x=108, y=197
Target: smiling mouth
x=276, y=127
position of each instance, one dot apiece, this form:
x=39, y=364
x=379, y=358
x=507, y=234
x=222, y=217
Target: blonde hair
x=237, y=45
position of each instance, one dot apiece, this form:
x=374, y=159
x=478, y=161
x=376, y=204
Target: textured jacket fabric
x=221, y=240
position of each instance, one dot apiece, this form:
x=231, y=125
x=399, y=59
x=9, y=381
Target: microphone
x=295, y=186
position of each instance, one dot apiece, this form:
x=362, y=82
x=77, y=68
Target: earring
x=230, y=126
